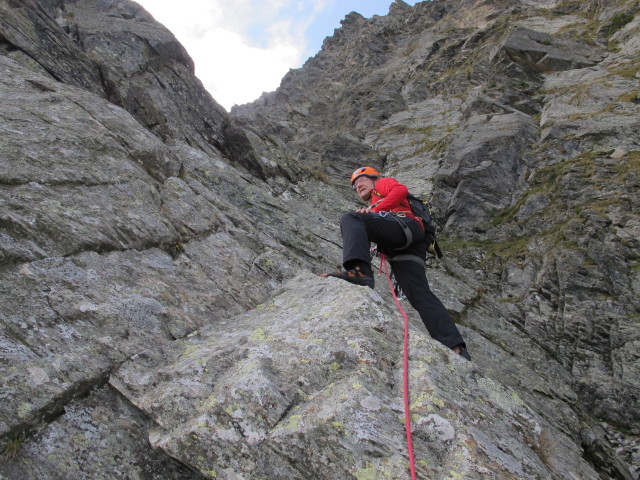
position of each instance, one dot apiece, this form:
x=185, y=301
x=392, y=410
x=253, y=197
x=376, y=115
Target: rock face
x=161, y=317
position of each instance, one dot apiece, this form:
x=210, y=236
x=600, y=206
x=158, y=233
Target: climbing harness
x=405, y=368
x=405, y=228
x=420, y=209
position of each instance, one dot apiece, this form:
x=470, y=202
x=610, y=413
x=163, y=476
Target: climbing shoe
x=464, y=353
x=355, y=276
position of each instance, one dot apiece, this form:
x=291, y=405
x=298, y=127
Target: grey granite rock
x=160, y=312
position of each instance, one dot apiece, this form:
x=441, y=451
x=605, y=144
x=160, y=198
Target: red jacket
x=392, y=197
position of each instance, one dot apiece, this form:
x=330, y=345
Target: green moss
x=585, y=167
x=568, y=5
x=608, y=108
x=23, y=410
x=618, y=22
x=258, y=334
x=12, y=448
x=599, y=176
x=371, y=472
x=317, y=171
x=338, y=425
x=426, y=400
x=511, y=300
x=190, y=351
x=208, y=404
x=504, y=250
x=626, y=70
x=293, y=423
x=469, y=72
x=438, y=146
x=508, y=214
x=403, y=129
x=632, y=97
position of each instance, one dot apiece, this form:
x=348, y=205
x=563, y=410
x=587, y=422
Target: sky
x=243, y=48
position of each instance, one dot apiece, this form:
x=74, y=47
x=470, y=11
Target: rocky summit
x=162, y=314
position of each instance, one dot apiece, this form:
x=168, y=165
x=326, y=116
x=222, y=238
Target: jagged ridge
x=137, y=212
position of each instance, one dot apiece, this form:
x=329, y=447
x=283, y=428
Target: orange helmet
x=364, y=172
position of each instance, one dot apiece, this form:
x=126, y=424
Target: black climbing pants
x=360, y=229
x=412, y=279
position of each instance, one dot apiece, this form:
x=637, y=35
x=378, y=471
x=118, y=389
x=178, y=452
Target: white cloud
x=236, y=72
x=242, y=48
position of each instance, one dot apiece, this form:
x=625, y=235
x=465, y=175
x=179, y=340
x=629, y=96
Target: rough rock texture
x=160, y=316
x=143, y=69
x=520, y=120
x=318, y=379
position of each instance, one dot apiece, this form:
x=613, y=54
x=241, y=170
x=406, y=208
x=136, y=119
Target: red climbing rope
x=405, y=373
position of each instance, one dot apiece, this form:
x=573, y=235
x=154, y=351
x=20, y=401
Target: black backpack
x=422, y=209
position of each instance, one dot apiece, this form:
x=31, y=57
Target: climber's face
x=364, y=186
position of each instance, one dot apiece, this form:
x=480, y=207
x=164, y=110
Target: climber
x=389, y=222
